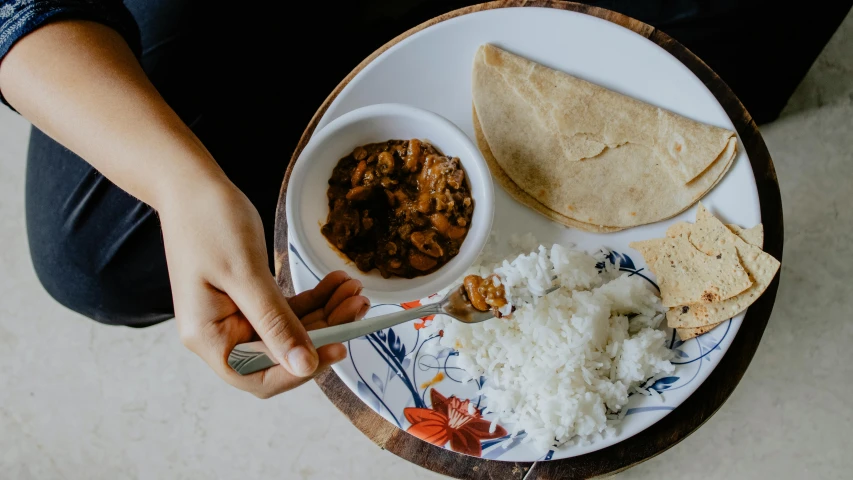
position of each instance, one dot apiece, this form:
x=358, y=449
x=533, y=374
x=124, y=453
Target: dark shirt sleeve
x=20, y=17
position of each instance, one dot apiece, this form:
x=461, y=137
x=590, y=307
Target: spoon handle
x=251, y=357
x=353, y=330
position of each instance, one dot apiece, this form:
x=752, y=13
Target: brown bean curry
x=398, y=206
x=485, y=293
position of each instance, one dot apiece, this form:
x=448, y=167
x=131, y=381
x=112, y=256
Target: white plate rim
x=732, y=326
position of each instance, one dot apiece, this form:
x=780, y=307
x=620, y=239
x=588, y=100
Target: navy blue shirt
x=20, y=17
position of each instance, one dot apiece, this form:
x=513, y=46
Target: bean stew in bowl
x=399, y=206
x=398, y=197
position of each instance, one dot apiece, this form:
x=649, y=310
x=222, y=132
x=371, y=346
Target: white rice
x=563, y=362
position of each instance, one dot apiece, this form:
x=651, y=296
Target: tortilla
x=687, y=275
x=678, y=229
x=520, y=195
x=588, y=153
x=710, y=236
x=702, y=212
x=649, y=249
x=687, y=333
x=753, y=236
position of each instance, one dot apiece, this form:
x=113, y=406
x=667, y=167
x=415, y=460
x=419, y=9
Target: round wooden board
x=662, y=435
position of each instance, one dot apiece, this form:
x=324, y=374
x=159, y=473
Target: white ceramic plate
x=432, y=69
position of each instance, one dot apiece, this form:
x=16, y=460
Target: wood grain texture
x=673, y=428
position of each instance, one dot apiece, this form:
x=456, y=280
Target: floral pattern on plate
x=424, y=394
x=452, y=420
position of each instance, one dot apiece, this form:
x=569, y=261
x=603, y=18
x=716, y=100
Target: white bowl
x=308, y=206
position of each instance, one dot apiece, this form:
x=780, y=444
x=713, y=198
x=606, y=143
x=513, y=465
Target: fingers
x=277, y=379
x=214, y=340
x=333, y=301
x=348, y=289
x=310, y=300
x=264, y=306
x=316, y=325
x=352, y=308
x=314, y=318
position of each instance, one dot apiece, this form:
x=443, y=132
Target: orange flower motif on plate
x=415, y=304
x=449, y=421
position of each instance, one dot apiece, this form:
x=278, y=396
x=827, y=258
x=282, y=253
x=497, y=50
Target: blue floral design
x=625, y=265
x=663, y=383
x=404, y=360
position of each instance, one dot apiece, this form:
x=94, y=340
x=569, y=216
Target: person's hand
x=224, y=293
x=72, y=78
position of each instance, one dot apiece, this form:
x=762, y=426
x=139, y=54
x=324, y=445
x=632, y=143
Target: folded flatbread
x=523, y=197
x=589, y=154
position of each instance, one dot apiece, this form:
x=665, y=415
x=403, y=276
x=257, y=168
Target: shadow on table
x=830, y=80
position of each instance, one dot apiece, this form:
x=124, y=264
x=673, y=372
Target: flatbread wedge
x=687, y=333
x=649, y=249
x=753, y=236
x=687, y=275
x=709, y=235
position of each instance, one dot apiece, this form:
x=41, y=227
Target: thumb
x=264, y=306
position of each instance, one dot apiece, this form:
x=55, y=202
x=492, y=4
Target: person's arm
x=80, y=83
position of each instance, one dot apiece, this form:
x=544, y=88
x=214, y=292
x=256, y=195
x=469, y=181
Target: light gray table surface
x=81, y=400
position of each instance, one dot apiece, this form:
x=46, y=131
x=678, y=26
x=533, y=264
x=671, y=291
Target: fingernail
x=363, y=311
x=301, y=361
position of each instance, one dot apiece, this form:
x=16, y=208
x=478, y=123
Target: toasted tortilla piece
x=678, y=229
x=687, y=333
x=702, y=212
x=709, y=235
x=589, y=153
x=520, y=195
x=753, y=236
x=649, y=249
x=686, y=275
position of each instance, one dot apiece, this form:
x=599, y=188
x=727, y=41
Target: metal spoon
x=251, y=357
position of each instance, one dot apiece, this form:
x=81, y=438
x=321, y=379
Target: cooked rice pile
x=562, y=366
